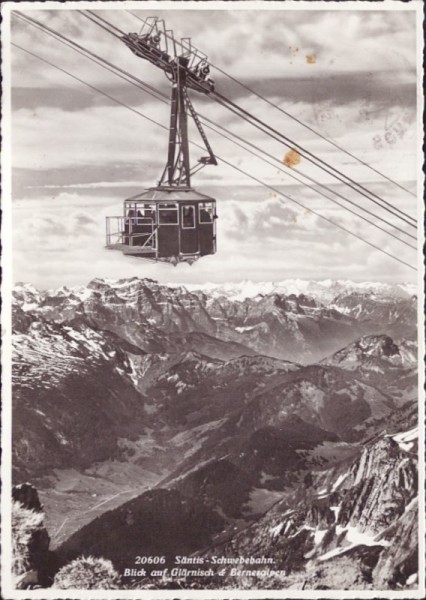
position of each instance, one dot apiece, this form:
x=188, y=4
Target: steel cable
x=279, y=192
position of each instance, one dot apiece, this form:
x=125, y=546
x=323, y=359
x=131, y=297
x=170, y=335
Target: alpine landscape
x=250, y=436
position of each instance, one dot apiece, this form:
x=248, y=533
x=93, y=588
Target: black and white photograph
x=213, y=300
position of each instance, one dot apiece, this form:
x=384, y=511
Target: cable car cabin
x=167, y=224
x=171, y=222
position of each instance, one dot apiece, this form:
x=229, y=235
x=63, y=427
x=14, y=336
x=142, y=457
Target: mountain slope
x=296, y=327
x=158, y=523
x=134, y=401
x=71, y=387
x=350, y=526
x=359, y=518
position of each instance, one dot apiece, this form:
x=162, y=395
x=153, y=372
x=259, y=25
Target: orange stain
x=292, y=158
x=311, y=59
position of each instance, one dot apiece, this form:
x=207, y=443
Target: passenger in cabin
x=188, y=217
x=205, y=216
x=168, y=216
x=149, y=215
x=134, y=216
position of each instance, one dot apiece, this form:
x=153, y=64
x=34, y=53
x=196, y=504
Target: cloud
x=54, y=138
x=275, y=48
x=259, y=238
x=106, y=140
x=77, y=154
x=94, y=185
x=55, y=128
x=84, y=221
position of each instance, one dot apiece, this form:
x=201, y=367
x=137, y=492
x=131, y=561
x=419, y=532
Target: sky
x=348, y=74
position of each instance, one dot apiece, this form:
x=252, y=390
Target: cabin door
x=188, y=229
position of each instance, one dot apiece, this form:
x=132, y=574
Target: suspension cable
x=336, y=193
x=290, y=143
x=85, y=51
x=311, y=157
x=263, y=98
x=320, y=135
x=163, y=98
x=279, y=192
x=93, y=87
x=306, y=184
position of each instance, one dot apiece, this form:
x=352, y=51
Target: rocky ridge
x=202, y=408
x=363, y=515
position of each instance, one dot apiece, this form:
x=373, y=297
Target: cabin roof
x=171, y=194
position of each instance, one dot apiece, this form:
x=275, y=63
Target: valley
x=269, y=422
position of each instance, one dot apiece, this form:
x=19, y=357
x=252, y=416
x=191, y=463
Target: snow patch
x=336, y=511
x=339, y=481
x=264, y=477
x=406, y=439
x=412, y=579
x=319, y=535
x=275, y=531
x=355, y=538
x=261, y=500
x=29, y=306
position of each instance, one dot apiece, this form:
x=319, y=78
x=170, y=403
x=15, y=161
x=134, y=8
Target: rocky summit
x=275, y=421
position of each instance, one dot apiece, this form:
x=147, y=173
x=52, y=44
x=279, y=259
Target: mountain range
x=274, y=419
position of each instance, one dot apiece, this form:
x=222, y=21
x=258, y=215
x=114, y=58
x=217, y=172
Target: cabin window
x=148, y=213
x=188, y=217
x=168, y=214
x=134, y=216
x=206, y=212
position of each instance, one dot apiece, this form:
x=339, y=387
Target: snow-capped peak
x=323, y=290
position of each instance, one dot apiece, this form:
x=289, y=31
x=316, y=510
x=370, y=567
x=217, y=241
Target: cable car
x=171, y=222
x=167, y=224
